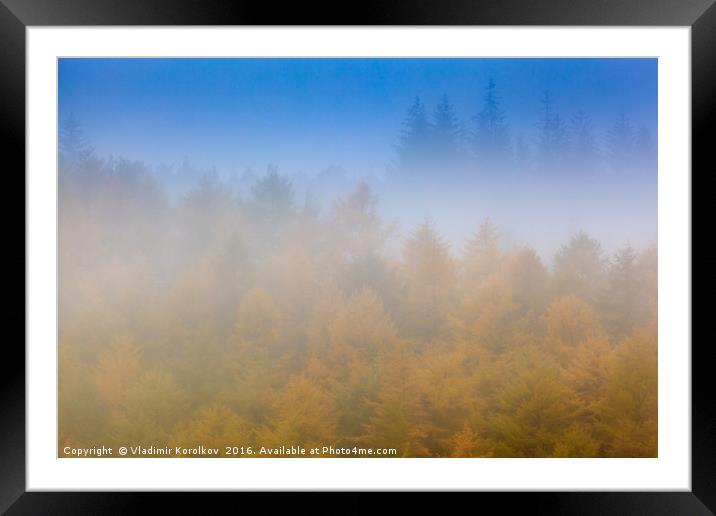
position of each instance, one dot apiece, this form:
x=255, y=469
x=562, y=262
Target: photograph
x=379, y=257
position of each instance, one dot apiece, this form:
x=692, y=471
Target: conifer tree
x=430, y=275
x=446, y=135
x=74, y=147
x=414, y=142
x=492, y=141
x=482, y=254
x=580, y=268
x=553, y=136
x=585, y=152
x=621, y=310
x=628, y=415
x=622, y=144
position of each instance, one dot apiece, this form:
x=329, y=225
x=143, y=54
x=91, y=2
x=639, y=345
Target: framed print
x=440, y=249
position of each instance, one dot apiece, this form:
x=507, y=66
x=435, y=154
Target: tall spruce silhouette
x=553, y=137
x=414, y=143
x=621, y=142
x=585, y=153
x=492, y=140
x=447, y=135
x=74, y=147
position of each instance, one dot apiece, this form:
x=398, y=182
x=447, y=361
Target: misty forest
x=263, y=309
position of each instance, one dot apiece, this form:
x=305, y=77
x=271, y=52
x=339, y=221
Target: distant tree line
x=441, y=143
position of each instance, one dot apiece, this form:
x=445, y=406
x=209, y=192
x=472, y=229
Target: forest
x=226, y=316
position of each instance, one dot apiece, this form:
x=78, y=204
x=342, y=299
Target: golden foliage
x=252, y=322
x=117, y=368
x=215, y=426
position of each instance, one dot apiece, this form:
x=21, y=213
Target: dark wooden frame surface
x=16, y=15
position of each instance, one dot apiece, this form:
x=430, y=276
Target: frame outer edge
x=703, y=113
x=12, y=364
x=366, y=12
x=12, y=61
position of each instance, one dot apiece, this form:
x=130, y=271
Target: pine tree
x=82, y=409
x=273, y=200
x=587, y=374
x=492, y=140
x=466, y=443
x=533, y=408
x=623, y=279
x=258, y=331
x=580, y=268
x=576, y=442
x=628, y=415
x=74, y=147
x=430, y=278
x=622, y=144
x=444, y=386
x=648, y=295
x=213, y=426
x=570, y=322
x=553, y=137
x=585, y=153
x=482, y=255
x=415, y=138
x=446, y=135
x=528, y=279
x=645, y=150
x=153, y=405
x=485, y=319
x=398, y=420
x=358, y=332
x=303, y=414
x=117, y=369
x=357, y=227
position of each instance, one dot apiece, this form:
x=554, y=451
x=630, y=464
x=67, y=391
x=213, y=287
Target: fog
x=484, y=293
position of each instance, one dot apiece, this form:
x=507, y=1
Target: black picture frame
x=16, y=15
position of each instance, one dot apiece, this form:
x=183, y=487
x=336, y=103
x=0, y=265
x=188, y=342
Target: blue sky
x=309, y=114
